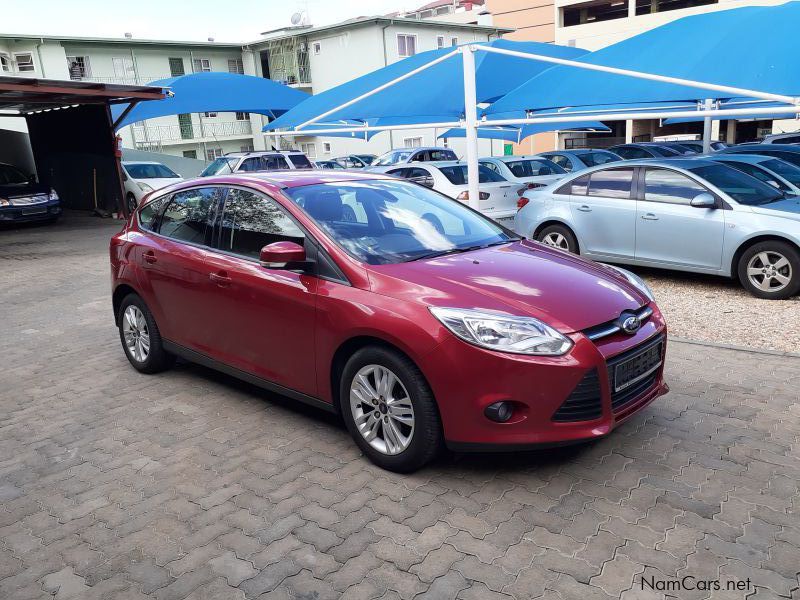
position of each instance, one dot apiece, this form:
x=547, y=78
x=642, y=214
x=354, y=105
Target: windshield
x=533, y=167
x=457, y=174
x=221, y=166
x=392, y=157
x=787, y=171
x=384, y=222
x=742, y=188
x=149, y=171
x=11, y=175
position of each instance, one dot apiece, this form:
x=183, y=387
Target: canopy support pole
x=471, y=124
x=707, y=105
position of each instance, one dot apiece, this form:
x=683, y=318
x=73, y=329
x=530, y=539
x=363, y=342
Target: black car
x=22, y=199
x=644, y=150
x=787, y=152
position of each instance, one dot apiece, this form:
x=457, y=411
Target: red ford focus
x=417, y=319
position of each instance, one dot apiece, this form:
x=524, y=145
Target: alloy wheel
x=556, y=240
x=137, y=335
x=769, y=271
x=382, y=409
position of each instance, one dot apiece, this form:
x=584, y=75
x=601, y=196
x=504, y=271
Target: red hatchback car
x=419, y=320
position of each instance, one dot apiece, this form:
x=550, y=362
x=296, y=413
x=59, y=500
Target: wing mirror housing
x=425, y=181
x=704, y=200
x=283, y=255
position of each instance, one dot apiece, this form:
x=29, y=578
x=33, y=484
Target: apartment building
x=312, y=59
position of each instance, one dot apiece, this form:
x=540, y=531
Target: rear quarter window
x=150, y=213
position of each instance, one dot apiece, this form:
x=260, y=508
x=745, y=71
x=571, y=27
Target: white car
x=498, y=197
x=534, y=171
x=142, y=177
x=257, y=160
x=401, y=156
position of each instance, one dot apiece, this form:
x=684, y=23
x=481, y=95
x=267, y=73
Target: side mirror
x=425, y=181
x=704, y=200
x=282, y=255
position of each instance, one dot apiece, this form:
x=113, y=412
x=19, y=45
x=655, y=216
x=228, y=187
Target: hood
x=788, y=209
x=23, y=189
x=158, y=183
x=523, y=278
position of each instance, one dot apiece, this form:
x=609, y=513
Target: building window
x=235, y=65
x=190, y=154
x=242, y=116
x=201, y=65
x=594, y=12
x=124, y=69
x=210, y=115
x=213, y=153
x=78, y=67
x=646, y=7
x=24, y=62
x=440, y=41
x=443, y=10
x=406, y=44
x=176, y=67
x=309, y=149
x=317, y=47
x=412, y=142
x=246, y=148
x=326, y=147
x=5, y=63
x=454, y=41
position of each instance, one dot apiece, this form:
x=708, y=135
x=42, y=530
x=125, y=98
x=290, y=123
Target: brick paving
x=192, y=485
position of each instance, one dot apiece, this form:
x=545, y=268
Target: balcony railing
x=131, y=80
x=191, y=131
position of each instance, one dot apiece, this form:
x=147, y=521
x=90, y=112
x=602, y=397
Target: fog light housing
x=499, y=412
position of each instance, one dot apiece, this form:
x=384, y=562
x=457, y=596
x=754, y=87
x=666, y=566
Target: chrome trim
x=612, y=327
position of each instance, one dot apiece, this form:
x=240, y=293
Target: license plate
x=33, y=211
x=637, y=367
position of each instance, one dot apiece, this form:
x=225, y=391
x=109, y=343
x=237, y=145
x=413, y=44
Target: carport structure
x=72, y=135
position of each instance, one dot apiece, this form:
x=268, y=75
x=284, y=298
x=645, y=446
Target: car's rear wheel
x=558, y=236
x=141, y=338
x=770, y=270
x=389, y=409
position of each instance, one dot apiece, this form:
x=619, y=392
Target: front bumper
x=466, y=379
x=31, y=212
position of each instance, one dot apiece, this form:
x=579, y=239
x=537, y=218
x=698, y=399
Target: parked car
x=644, y=150
x=22, y=199
x=356, y=161
x=782, y=138
x=697, y=145
x=774, y=171
x=498, y=197
x=142, y=177
x=581, y=158
x=418, y=337
x=682, y=147
x=785, y=152
x=327, y=164
x=409, y=155
x=533, y=171
x=248, y=162
x=686, y=214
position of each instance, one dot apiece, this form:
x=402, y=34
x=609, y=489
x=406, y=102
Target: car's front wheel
x=389, y=409
x=140, y=336
x=558, y=236
x=770, y=270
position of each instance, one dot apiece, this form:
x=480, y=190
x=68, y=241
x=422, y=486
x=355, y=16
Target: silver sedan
x=682, y=213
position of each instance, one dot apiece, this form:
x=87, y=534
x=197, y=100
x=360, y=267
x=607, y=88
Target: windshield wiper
x=439, y=253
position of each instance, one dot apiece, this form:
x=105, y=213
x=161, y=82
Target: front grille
x=620, y=399
x=615, y=325
x=584, y=403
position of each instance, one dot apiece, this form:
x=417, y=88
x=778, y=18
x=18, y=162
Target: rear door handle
x=150, y=257
x=649, y=217
x=585, y=208
x=221, y=278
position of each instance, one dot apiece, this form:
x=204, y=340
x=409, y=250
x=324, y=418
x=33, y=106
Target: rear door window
x=441, y=155
x=300, y=161
x=190, y=215
x=611, y=183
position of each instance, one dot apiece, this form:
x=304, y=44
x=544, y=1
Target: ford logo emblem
x=631, y=325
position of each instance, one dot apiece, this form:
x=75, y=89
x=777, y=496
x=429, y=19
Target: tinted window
x=150, y=213
x=784, y=169
x=611, y=183
x=416, y=173
x=221, y=166
x=250, y=222
x=578, y=186
x=397, y=172
x=593, y=159
x=562, y=161
x=146, y=171
x=251, y=164
x=491, y=166
x=457, y=174
x=300, y=161
x=533, y=167
x=442, y=155
x=630, y=153
x=189, y=217
x=11, y=175
x=758, y=173
x=742, y=188
x=794, y=139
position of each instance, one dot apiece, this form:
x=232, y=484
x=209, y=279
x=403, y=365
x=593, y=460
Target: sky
x=191, y=20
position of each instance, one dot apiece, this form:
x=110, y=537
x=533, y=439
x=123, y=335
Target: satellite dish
x=297, y=18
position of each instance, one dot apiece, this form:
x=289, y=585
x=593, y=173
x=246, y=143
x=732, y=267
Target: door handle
x=649, y=217
x=585, y=208
x=150, y=257
x=221, y=278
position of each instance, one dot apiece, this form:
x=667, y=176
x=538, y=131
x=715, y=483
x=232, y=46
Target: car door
x=175, y=265
x=264, y=317
x=669, y=230
x=603, y=212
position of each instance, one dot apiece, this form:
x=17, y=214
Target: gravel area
x=716, y=309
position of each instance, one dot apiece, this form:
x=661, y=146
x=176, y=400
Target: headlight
x=144, y=187
x=504, y=333
x=5, y=202
x=53, y=195
x=635, y=281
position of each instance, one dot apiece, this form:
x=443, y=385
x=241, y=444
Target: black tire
x=131, y=202
x=569, y=240
x=157, y=359
x=426, y=439
x=773, y=250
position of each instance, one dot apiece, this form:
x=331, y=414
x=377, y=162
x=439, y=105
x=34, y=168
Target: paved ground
x=191, y=485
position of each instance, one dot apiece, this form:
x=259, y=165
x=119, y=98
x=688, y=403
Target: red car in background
x=419, y=320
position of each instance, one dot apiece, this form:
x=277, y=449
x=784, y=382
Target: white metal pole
x=471, y=124
x=707, y=105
